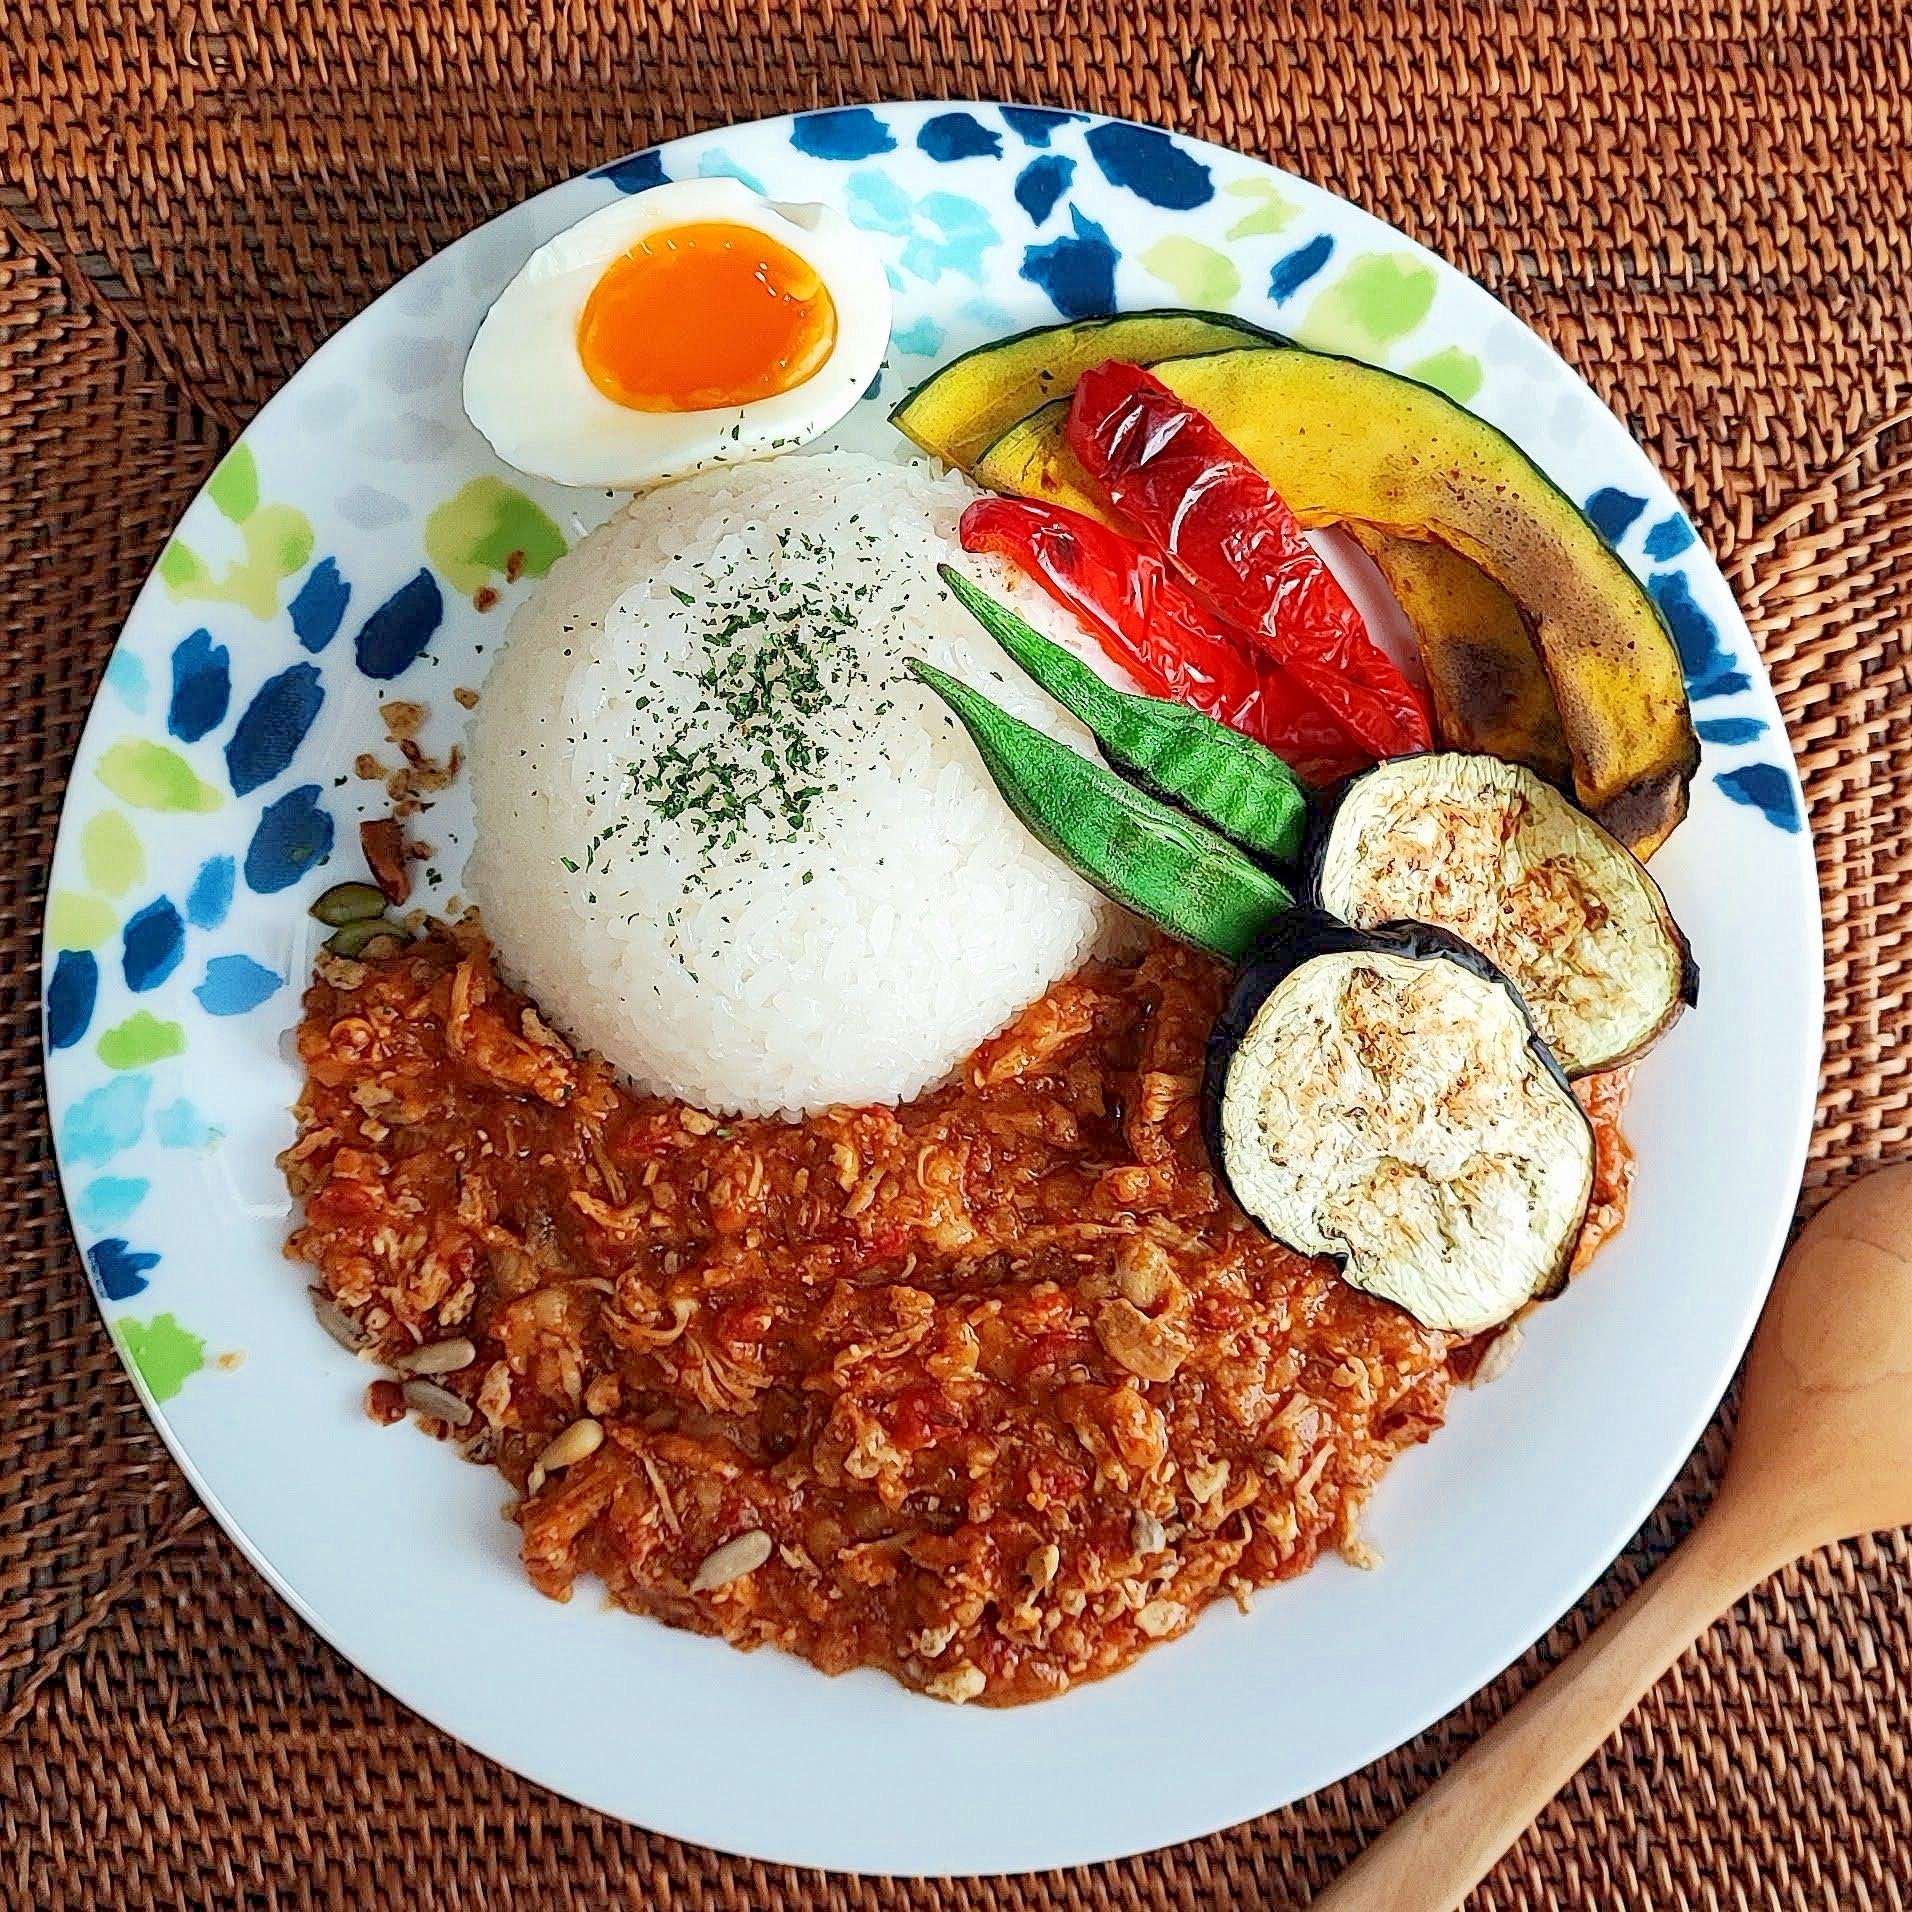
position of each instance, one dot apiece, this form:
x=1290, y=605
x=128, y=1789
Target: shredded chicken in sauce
x=992, y=1391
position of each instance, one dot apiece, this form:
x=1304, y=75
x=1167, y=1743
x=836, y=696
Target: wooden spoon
x=1823, y=1453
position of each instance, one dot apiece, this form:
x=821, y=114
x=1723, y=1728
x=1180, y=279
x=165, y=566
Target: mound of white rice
x=723, y=837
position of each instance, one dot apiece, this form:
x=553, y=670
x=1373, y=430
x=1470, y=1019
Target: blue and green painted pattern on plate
x=182, y=744
x=335, y=555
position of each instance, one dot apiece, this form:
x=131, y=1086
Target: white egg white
x=527, y=390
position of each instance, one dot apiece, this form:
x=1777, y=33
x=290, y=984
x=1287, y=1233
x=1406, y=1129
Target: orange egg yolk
x=698, y=318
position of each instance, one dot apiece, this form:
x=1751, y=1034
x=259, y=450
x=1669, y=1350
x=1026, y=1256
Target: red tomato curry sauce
x=992, y=1391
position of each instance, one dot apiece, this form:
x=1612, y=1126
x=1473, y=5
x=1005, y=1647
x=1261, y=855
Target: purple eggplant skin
x=1324, y=809
x=1299, y=937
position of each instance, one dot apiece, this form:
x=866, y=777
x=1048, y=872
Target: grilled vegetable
x=1344, y=441
x=1486, y=850
x=1382, y=1098
x=1206, y=508
x=1171, y=643
x=1490, y=688
x=958, y=411
x=1172, y=752
x=1198, y=886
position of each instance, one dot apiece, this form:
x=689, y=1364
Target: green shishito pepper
x=1197, y=885
x=1172, y=751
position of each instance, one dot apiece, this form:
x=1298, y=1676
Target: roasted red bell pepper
x=1151, y=624
x=1207, y=509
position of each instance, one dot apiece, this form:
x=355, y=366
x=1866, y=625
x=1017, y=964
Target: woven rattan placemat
x=1706, y=209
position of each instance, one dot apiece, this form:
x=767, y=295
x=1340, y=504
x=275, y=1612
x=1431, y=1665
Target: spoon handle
x=1448, y=1840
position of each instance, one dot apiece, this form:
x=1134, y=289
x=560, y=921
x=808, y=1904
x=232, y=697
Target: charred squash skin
x=1345, y=442
x=1491, y=693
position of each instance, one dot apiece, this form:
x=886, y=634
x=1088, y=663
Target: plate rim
x=1809, y=1038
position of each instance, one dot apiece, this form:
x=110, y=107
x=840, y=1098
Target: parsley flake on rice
x=724, y=838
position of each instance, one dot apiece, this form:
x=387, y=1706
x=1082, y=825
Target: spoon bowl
x=1823, y=1449
x=1822, y=1453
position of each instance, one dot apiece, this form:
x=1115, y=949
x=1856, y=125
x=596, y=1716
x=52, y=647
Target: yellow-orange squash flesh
x=1344, y=442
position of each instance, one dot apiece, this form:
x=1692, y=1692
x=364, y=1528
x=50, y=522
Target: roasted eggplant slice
x=1485, y=849
x=1382, y=1097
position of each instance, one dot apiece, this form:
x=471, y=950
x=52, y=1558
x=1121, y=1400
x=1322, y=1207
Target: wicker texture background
x=1708, y=210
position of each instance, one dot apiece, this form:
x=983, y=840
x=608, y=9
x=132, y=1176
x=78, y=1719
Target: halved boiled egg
x=688, y=326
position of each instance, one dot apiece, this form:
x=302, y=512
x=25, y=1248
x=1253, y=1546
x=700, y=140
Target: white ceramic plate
x=352, y=526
